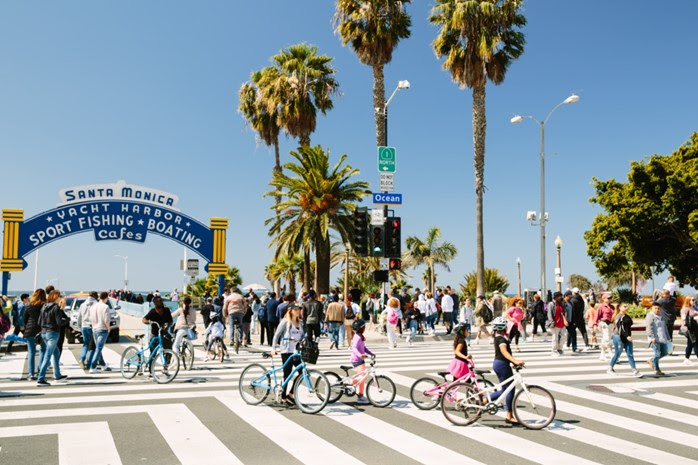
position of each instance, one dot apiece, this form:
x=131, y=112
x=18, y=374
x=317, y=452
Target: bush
x=637, y=311
x=624, y=295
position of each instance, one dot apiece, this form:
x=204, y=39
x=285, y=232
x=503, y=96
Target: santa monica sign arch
x=118, y=212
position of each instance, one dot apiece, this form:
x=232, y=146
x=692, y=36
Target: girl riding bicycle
x=459, y=365
x=502, y=363
x=359, y=352
x=214, y=332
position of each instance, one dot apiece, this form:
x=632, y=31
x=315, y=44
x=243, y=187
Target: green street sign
x=386, y=159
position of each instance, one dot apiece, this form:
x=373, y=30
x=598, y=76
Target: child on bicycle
x=459, y=366
x=215, y=331
x=502, y=363
x=359, y=352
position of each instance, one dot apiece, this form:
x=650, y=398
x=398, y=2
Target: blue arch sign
x=118, y=211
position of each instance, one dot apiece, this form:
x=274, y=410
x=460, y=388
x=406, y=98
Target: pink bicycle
x=426, y=392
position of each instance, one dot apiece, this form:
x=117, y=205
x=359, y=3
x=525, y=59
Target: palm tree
x=494, y=281
x=317, y=199
x=479, y=39
x=288, y=267
x=255, y=111
x=429, y=252
x=300, y=84
x=373, y=28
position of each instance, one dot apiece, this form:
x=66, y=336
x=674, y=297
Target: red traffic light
x=395, y=264
x=396, y=223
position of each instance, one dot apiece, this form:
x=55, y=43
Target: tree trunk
x=307, y=283
x=479, y=131
x=304, y=140
x=431, y=278
x=277, y=169
x=379, y=103
x=322, y=264
x=292, y=284
x=346, y=274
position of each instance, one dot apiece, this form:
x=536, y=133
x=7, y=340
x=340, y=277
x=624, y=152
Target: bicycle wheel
x=165, y=366
x=534, y=409
x=461, y=403
x=336, y=387
x=254, y=384
x=419, y=396
x=131, y=362
x=380, y=391
x=311, y=391
x=186, y=354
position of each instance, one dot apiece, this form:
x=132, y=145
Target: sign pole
x=385, y=207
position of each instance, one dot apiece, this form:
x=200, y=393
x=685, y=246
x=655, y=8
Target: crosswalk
x=200, y=417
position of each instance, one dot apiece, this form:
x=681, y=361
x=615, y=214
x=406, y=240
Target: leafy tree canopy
x=494, y=281
x=650, y=220
x=579, y=281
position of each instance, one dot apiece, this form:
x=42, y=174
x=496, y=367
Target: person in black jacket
x=623, y=340
x=412, y=319
x=539, y=317
x=32, y=328
x=52, y=321
x=577, y=322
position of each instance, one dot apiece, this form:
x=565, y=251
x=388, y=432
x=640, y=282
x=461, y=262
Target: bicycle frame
x=301, y=367
x=516, y=380
x=439, y=389
x=360, y=377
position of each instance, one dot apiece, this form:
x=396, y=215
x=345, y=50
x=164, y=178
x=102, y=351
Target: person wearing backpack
x=351, y=312
x=391, y=323
x=484, y=315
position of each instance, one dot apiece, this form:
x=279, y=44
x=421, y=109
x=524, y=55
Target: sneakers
x=82, y=364
x=42, y=383
x=586, y=349
x=610, y=371
x=555, y=354
x=637, y=374
x=93, y=371
x=687, y=362
x=649, y=362
x=61, y=377
x=361, y=400
x=602, y=357
x=659, y=373
x=477, y=340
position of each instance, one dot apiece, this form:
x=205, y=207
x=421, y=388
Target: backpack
x=392, y=317
x=487, y=314
x=4, y=323
x=349, y=314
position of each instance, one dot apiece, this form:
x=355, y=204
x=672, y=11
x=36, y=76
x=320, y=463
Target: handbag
x=192, y=334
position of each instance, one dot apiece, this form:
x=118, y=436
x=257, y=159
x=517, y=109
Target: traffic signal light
x=392, y=237
x=381, y=276
x=377, y=238
x=395, y=264
x=360, y=231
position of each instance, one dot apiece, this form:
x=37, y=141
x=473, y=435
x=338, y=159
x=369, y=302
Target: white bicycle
x=533, y=407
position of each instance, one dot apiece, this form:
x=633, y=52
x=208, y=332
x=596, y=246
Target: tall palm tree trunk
x=292, y=283
x=379, y=103
x=322, y=264
x=304, y=140
x=479, y=130
x=307, y=280
x=277, y=169
x=431, y=277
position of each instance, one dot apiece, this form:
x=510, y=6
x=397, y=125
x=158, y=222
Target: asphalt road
x=200, y=418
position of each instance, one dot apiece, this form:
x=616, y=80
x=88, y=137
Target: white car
x=74, y=331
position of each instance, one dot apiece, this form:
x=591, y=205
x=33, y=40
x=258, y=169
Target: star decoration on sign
x=49, y=218
x=188, y=224
x=140, y=222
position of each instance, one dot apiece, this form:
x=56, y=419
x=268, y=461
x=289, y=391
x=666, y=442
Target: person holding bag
x=689, y=328
x=556, y=323
x=623, y=340
x=52, y=319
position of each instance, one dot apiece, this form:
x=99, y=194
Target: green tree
x=288, y=267
x=256, y=112
x=317, y=198
x=429, y=252
x=478, y=39
x=494, y=281
x=300, y=84
x=650, y=220
x=579, y=281
x=373, y=28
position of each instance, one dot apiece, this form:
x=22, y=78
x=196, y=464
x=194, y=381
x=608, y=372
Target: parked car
x=74, y=332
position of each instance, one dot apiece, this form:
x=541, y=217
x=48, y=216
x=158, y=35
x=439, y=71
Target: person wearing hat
x=556, y=323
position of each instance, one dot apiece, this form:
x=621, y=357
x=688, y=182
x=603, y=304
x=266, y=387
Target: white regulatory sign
x=377, y=218
x=192, y=267
x=387, y=182
x=384, y=263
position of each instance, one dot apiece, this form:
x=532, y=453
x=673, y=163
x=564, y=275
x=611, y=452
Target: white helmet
x=499, y=323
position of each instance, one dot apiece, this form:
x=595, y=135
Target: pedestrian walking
x=667, y=304
x=623, y=340
x=52, y=320
x=335, y=319
x=392, y=320
x=312, y=316
x=206, y=311
x=447, y=309
x=234, y=309
x=689, y=328
x=577, y=322
x=351, y=313
x=658, y=336
x=86, y=329
x=32, y=329
x=556, y=323
x=466, y=316
x=497, y=304
x=539, y=317
x=604, y=316
x=430, y=311
x=590, y=317
x=271, y=320
x=412, y=317
x=100, y=320
x=514, y=316
x=483, y=315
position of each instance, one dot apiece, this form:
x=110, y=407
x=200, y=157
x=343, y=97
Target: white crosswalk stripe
x=599, y=416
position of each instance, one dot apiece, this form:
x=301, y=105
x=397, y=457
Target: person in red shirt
x=557, y=323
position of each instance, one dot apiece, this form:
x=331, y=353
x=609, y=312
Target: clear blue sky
x=93, y=92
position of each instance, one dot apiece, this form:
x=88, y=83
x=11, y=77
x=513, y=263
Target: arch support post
x=11, y=261
x=217, y=266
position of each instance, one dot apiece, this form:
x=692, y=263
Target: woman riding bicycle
x=285, y=339
x=502, y=363
x=186, y=320
x=459, y=365
x=359, y=352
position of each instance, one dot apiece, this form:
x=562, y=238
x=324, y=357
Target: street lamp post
x=543, y=219
x=518, y=276
x=558, y=267
x=125, y=271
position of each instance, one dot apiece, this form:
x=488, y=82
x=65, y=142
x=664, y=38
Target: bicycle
x=217, y=349
x=426, y=392
x=380, y=390
x=163, y=363
x=533, y=407
x=186, y=352
x=311, y=388
x=237, y=329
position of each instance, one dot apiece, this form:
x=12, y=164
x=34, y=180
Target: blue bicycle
x=163, y=363
x=311, y=389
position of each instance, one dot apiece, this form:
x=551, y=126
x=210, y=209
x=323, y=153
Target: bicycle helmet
x=460, y=327
x=358, y=325
x=499, y=324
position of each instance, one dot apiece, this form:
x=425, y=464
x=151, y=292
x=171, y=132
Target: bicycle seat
x=266, y=354
x=138, y=337
x=443, y=373
x=346, y=367
x=482, y=372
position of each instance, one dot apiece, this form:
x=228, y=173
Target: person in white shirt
x=99, y=319
x=466, y=315
x=671, y=285
x=214, y=331
x=447, y=308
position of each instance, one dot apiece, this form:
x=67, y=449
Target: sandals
x=512, y=421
